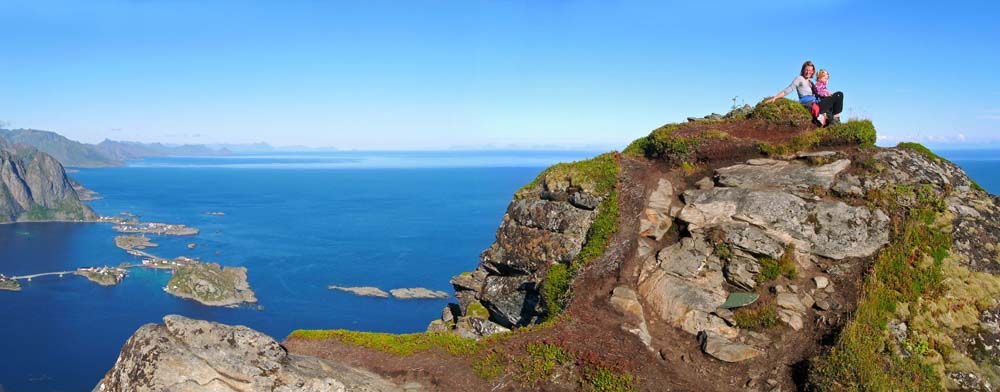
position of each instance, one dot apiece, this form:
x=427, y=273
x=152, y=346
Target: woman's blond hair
x=821, y=73
x=804, y=65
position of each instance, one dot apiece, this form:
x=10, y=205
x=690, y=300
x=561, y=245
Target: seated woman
x=829, y=107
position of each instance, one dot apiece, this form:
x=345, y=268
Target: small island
x=418, y=293
x=130, y=242
x=104, y=276
x=9, y=284
x=364, y=291
x=215, y=213
x=212, y=285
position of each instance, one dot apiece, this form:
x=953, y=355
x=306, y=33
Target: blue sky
x=444, y=74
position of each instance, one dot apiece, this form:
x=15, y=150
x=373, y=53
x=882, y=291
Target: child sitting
x=822, y=78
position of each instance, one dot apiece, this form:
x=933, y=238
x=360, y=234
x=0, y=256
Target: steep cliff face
x=34, y=187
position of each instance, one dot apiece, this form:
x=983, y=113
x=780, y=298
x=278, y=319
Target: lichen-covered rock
x=726, y=350
x=826, y=228
x=184, y=355
x=780, y=174
x=512, y=300
x=742, y=272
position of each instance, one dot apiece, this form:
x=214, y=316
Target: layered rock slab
x=830, y=229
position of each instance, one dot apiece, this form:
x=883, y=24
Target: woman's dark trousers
x=833, y=104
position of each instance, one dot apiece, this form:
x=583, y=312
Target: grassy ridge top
x=777, y=128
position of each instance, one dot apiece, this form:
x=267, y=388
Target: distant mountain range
x=108, y=153
x=125, y=151
x=66, y=151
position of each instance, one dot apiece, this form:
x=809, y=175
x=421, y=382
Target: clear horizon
x=384, y=76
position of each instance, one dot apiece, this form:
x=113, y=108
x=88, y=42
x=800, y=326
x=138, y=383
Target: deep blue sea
x=298, y=222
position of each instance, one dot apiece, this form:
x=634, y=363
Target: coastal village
x=207, y=283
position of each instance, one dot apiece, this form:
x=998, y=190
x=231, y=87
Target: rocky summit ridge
x=746, y=252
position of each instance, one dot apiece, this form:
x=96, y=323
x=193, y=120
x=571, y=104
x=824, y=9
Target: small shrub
x=782, y=112
x=771, y=269
x=541, y=362
x=860, y=132
x=602, y=379
x=723, y=252
x=756, y=317
x=489, y=366
x=688, y=169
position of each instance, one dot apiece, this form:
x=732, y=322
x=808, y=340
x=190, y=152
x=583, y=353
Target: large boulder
x=192, y=355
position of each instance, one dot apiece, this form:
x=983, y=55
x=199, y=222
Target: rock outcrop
x=193, y=355
x=34, y=187
x=543, y=228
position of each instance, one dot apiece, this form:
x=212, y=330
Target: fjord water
x=298, y=222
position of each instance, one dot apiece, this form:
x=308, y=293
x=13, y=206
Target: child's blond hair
x=821, y=73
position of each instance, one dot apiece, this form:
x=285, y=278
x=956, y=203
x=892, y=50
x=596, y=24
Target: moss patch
x=477, y=309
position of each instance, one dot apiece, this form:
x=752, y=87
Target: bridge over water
x=29, y=277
